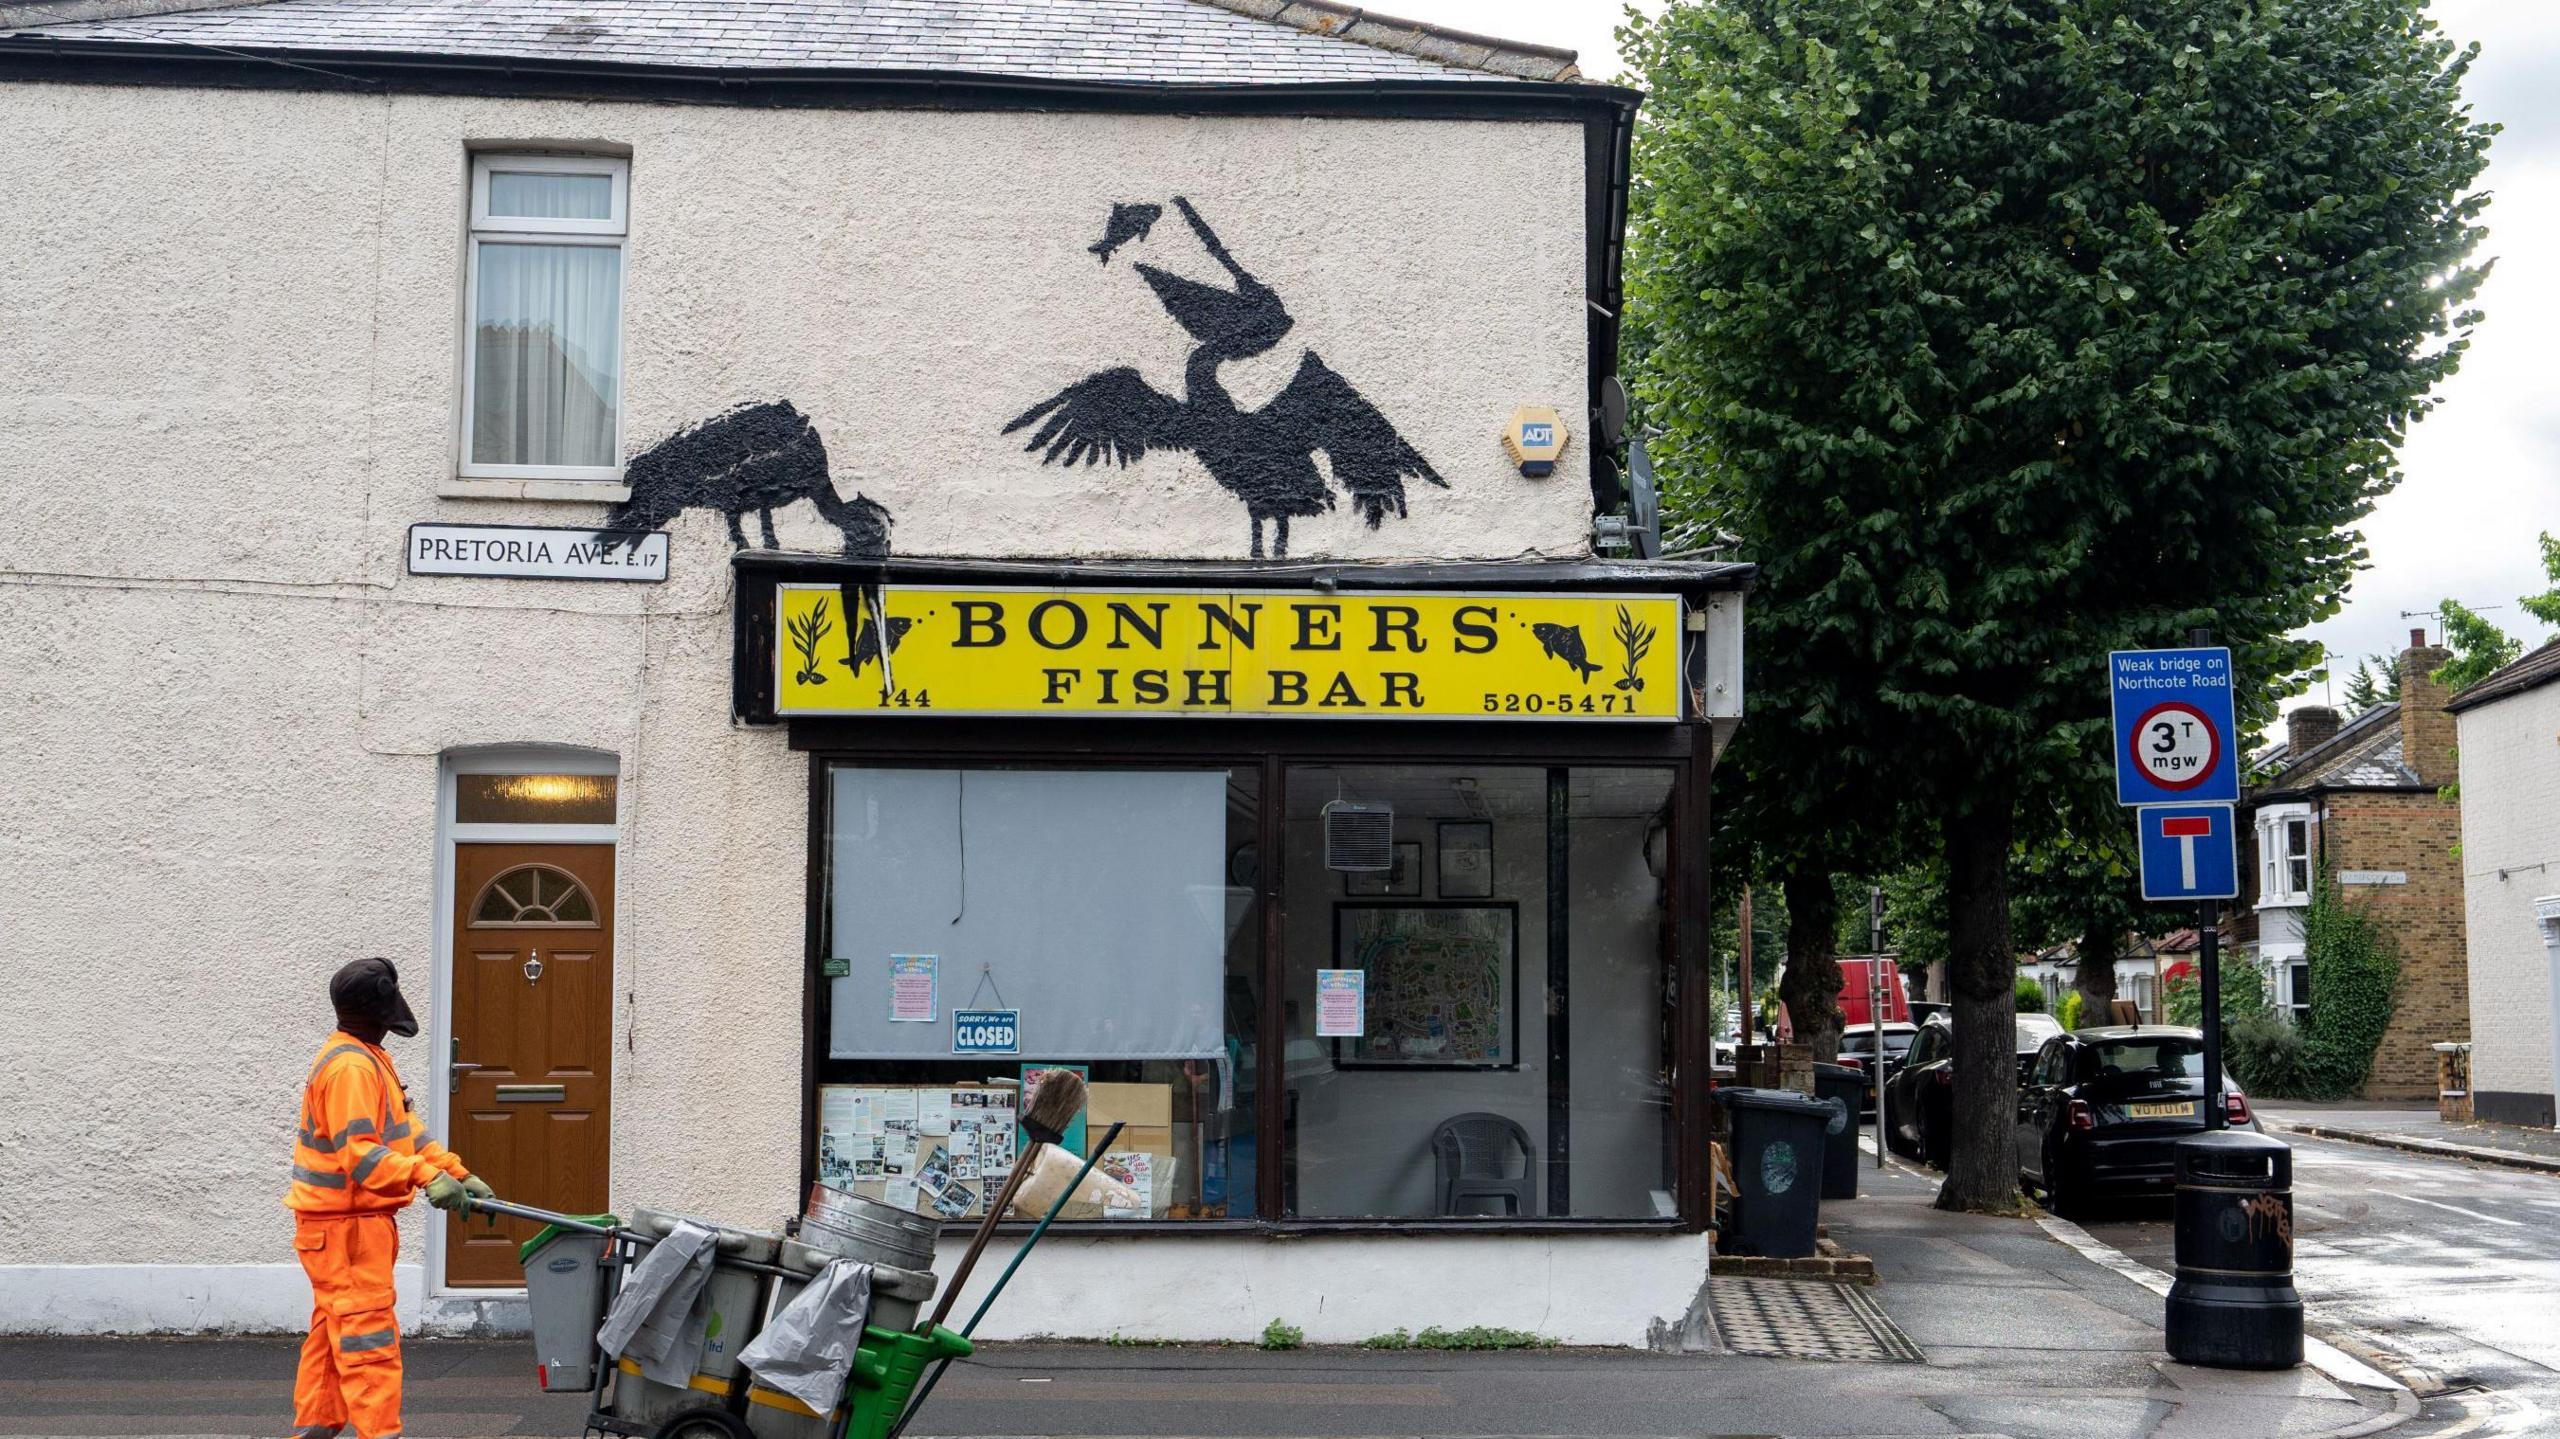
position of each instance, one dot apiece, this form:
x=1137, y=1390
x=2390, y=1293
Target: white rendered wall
x=2510, y=755
x=230, y=384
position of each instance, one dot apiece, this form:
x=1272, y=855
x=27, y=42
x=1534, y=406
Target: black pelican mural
x=1264, y=457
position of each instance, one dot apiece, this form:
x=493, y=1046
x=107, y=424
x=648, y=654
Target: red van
x=1856, y=973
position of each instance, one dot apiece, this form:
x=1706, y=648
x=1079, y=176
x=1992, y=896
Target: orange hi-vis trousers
x=351, y=1363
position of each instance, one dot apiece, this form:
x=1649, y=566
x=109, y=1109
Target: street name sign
x=2173, y=726
x=538, y=552
x=2188, y=852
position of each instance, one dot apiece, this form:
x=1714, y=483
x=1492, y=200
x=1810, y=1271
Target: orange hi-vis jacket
x=361, y=1149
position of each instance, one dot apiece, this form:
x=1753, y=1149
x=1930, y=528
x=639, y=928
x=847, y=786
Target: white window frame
x=2277, y=859
x=2295, y=1008
x=523, y=230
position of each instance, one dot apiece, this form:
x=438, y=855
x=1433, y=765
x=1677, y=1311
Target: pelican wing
x=1370, y=460
x=1113, y=414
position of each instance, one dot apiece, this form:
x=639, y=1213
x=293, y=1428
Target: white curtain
x=519, y=195
x=547, y=352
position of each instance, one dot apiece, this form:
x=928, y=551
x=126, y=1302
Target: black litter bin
x=2232, y=1305
x=1844, y=1088
x=1777, y=1166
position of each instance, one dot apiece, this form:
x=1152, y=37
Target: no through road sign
x=2173, y=739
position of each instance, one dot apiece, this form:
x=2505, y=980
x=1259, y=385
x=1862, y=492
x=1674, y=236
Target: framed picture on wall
x=1466, y=859
x=1404, y=881
x=1443, y=984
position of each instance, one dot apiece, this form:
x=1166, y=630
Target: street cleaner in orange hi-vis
x=360, y=1157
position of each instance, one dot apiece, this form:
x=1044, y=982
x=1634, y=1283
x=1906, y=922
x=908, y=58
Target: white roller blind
x=1095, y=901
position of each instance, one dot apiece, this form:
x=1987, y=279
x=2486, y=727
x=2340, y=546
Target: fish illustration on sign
x=1564, y=642
x=866, y=644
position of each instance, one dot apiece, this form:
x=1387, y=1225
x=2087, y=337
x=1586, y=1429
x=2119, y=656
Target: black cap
x=366, y=994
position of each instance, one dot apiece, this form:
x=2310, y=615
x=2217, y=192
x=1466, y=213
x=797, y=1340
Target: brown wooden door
x=532, y=1039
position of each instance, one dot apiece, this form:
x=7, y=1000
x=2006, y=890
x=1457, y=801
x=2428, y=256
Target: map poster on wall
x=1443, y=982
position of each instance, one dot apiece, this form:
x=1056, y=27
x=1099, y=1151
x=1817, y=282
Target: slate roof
x=2535, y=670
x=1191, y=42
x=2364, y=754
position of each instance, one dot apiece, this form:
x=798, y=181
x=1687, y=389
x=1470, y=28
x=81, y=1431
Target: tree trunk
x=1811, y=987
x=1982, y=1158
x=2097, y=978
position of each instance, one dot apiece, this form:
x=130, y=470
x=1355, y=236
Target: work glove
x=446, y=1192
x=478, y=1188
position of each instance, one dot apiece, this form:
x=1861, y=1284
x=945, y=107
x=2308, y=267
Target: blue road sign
x=2173, y=737
x=2188, y=851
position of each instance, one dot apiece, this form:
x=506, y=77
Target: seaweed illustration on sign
x=806, y=632
x=1635, y=641
x=1564, y=642
x=1264, y=457
x=754, y=459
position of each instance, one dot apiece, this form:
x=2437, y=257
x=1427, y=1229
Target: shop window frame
x=1273, y=746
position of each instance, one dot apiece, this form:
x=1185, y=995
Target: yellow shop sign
x=1226, y=653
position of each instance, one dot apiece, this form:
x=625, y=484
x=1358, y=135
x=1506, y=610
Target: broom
x=1046, y=1113
x=915, y=1401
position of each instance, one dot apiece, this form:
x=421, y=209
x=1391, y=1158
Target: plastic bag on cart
x=806, y=1350
x=657, y=1322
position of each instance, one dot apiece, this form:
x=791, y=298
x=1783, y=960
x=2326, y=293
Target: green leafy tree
x=2479, y=648
x=2375, y=682
x=1975, y=320
x=2546, y=605
x=2355, y=982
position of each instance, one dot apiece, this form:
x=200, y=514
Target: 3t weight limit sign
x=2174, y=745
x=2173, y=735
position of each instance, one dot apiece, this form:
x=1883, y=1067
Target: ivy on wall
x=2355, y=983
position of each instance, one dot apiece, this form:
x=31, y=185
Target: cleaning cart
x=576, y=1264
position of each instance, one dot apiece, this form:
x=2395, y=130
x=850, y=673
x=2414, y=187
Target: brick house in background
x=2364, y=798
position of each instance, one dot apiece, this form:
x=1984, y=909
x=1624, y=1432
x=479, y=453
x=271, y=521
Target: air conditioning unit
x=1359, y=838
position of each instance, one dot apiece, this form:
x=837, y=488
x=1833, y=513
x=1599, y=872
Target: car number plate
x=2160, y=1111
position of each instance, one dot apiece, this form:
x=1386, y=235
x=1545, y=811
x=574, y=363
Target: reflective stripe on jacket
x=360, y=1148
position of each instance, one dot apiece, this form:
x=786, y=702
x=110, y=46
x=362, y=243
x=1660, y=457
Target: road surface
x=2450, y=1266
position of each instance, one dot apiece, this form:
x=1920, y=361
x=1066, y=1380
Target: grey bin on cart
x=849, y=1226
x=736, y=1298
x=1777, y=1165
x=564, y=1286
x=898, y=1296
x=1844, y=1088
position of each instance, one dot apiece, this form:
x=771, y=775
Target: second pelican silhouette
x=1264, y=457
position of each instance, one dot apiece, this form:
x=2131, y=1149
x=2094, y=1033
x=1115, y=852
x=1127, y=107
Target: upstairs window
x=2284, y=857
x=542, y=376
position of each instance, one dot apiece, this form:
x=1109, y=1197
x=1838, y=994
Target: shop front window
x=1477, y=1023
x=1108, y=916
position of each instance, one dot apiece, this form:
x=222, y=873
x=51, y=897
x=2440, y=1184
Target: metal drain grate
x=1806, y=1319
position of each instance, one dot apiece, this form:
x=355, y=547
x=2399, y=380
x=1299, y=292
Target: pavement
x=2419, y=1130
x=2017, y=1335
x=2444, y=1270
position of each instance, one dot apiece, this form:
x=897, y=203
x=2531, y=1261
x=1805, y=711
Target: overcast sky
x=2483, y=472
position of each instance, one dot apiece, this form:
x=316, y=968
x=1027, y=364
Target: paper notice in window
x=866, y=1111
x=911, y=998
x=933, y=1111
x=1341, y=1003
x=901, y=1194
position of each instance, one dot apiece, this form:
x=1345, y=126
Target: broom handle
x=971, y=1327
x=986, y=1231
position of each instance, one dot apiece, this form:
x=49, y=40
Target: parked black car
x=2103, y=1110
x=1919, y=1097
x=1858, y=1050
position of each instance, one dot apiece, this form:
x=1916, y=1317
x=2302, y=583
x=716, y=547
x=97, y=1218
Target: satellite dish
x=1644, y=503
x=1612, y=415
